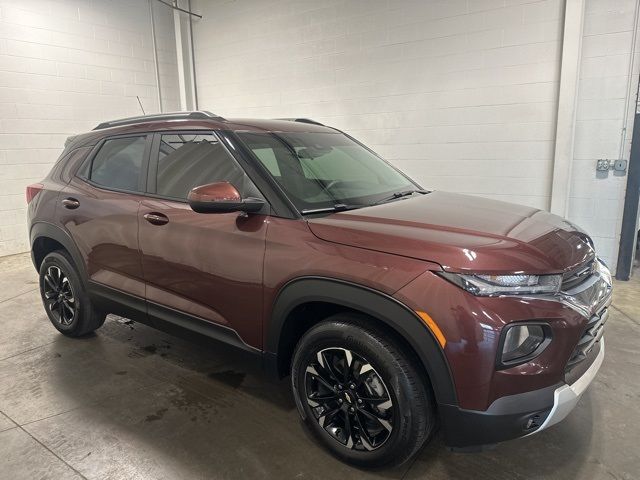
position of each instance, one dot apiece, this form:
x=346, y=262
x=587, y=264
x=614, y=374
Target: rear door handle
x=70, y=203
x=156, y=218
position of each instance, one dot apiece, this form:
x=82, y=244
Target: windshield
x=325, y=170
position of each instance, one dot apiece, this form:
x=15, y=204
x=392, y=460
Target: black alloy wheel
x=58, y=296
x=64, y=295
x=349, y=399
x=360, y=392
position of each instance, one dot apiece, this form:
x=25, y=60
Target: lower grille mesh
x=592, y=334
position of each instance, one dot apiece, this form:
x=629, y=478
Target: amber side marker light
x=433, y=327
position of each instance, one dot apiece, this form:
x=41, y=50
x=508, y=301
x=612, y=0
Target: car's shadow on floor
x=206, y=410
x=200, y=357
x=562, y=452
x=202, y=410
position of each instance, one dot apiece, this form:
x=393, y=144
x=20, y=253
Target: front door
x=198, y=267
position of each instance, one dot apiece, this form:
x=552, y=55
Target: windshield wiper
x=396, y=195
x=338, y=207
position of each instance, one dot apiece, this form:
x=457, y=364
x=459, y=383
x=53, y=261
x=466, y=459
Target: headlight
x=490, y=285
x=522, y=342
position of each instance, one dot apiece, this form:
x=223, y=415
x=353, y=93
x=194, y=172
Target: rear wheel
x=359, y=394
x=64, y=297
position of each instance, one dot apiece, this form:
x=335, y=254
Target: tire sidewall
x=361, y=341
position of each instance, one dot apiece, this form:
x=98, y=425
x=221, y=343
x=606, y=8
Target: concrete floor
x=131, y=402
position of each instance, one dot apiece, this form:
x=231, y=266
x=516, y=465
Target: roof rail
x=302, y=120
x=196, y=115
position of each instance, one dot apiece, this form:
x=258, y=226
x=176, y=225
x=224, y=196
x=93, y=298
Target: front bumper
x=494, y=405
x=566, y=397
x=517, y=415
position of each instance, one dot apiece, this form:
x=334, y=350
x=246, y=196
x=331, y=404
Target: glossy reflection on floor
x=131, y=402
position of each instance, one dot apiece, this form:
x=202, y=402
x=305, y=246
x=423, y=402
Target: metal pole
x=567, y=102
x=194, y=87
x=627, y=98
x=155, y=53
x=177, y=28
x=175, y=7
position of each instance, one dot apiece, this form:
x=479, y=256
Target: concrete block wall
x=66, y=65
x=596, y=201
x=461, y=94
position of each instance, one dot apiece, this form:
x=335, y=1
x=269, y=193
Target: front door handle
x=70, y=203
x=156, y=218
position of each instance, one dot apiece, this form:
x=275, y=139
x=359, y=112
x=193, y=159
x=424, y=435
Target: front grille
x=592, y=334
x=575, y=277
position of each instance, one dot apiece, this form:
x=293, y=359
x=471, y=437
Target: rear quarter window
x=118, y=163
x=69, y=163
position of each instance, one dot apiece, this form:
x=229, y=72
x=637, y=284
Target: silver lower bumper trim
x=566, y=397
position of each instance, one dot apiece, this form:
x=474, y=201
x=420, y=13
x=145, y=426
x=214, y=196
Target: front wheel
x=359, y=395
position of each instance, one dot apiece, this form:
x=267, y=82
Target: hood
x=462, y=233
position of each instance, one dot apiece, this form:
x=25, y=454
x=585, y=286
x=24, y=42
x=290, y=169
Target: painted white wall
x=461, y=94
x=65, y=66
x=595, y=203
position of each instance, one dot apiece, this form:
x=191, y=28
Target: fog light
x=522, y=342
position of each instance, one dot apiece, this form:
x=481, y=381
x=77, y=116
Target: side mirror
x=221, y=197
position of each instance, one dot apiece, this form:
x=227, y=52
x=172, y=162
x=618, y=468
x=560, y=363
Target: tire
x=378, y=371
x=65, y=298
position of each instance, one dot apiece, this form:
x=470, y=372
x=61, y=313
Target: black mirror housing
x=248, y=205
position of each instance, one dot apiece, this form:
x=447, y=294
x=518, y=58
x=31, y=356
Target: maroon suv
x=394, y=309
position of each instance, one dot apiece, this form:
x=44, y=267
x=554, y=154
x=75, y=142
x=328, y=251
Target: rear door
x=99, y=209
x=202, y=270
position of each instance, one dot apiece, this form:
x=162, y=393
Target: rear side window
x=118, y=163
x=187, y=160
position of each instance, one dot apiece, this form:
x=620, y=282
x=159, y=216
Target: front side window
x=186, y=161
x=118, y=163
x=322, y=170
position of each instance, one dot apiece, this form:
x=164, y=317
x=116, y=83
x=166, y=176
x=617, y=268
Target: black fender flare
x=378, y=305
x=54, y=232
